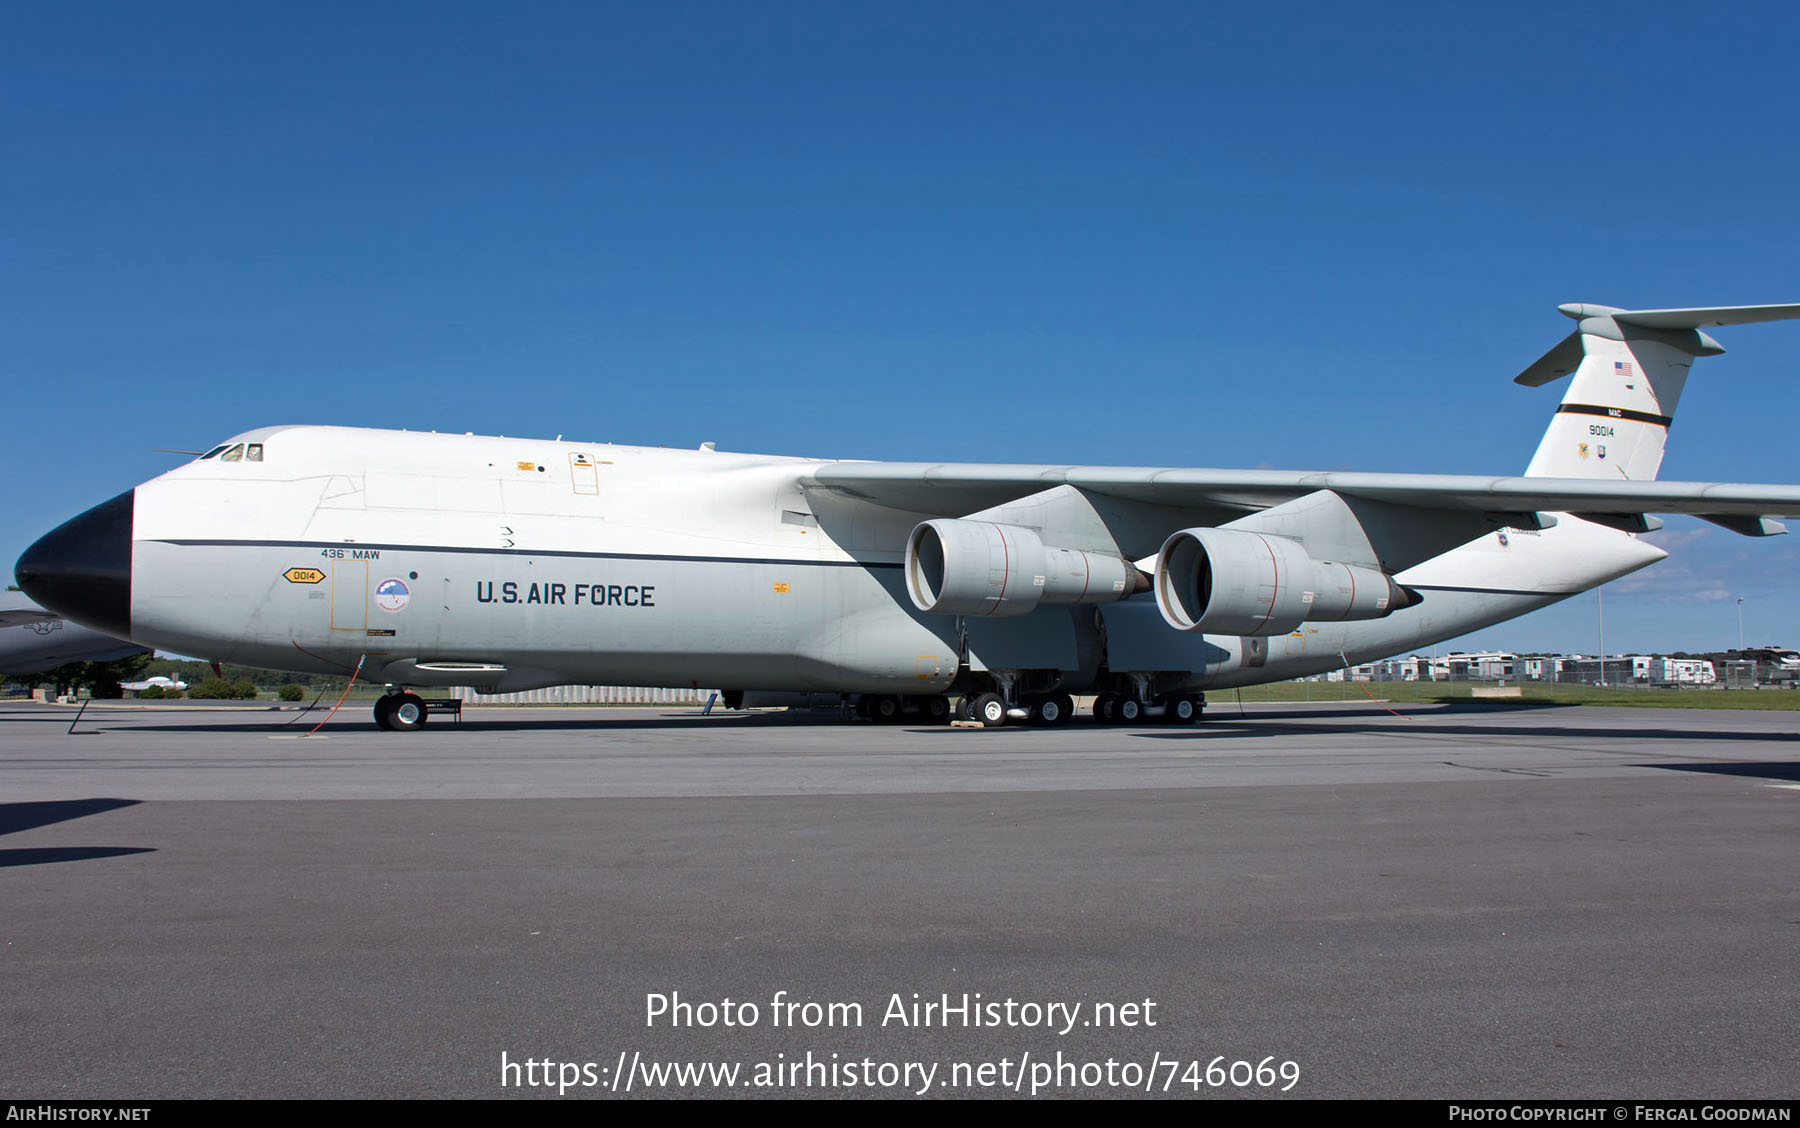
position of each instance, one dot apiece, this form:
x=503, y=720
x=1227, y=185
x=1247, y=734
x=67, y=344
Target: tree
x=100, y=679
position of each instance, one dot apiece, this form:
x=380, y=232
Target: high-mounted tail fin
x=1630, y=366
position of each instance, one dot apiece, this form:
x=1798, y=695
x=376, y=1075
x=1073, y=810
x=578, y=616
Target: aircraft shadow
x=1774, y=770
x=1428, y=720
x=16, y=817
x=1254, y=726
x=50, y=855
x=576, y=721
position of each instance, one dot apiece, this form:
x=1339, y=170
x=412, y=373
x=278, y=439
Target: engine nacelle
x=1224, y=581
x=958, y=567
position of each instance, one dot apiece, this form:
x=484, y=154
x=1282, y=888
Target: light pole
x=1600, y=605
x=1740, y=626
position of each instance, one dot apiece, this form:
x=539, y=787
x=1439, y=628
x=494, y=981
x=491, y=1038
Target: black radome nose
x=82, y=568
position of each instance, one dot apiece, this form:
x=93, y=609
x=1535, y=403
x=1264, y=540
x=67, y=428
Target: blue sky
x=1310, y=236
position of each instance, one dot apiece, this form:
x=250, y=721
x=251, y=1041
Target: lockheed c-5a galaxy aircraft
x=506, y=564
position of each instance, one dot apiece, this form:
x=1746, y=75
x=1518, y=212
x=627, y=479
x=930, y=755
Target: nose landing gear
x=400, y=712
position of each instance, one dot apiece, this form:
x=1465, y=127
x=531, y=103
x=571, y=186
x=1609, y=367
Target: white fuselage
x=512, y=563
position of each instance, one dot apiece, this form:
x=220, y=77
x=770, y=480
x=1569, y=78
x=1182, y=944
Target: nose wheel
x=400, y=712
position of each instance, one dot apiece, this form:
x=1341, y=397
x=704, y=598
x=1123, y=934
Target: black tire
x=885, y=710
x=408, y=713
x=937, y=709
x=1182, y=710
x=1106, y=708
x=384, y=711
x=1129, y=711
x=990, y=710
x=1052, y=711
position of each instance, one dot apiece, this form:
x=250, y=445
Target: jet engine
x=956, y=567
x=1225, y=581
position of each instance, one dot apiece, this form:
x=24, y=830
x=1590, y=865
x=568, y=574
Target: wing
x=1430, y=513
x=956, y=488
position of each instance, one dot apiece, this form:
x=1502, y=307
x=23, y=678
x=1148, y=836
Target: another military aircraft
x=33, y=640
x=505, y=564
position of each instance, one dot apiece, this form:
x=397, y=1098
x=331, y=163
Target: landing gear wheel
x=1182, y=710
x=1106, y=708
x=885, y=710
x=408, y=713
x=1129, y=710
x=937, y=709
x=990, y=710
x=1052, y=711
x=400, y=712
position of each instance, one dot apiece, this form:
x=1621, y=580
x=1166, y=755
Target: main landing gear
x=400, y=712
x=992, y=710
x=1172, y=708
x=894, y=709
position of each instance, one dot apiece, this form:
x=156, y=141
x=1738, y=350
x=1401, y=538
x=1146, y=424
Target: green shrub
x=151, y=693
x=212, y=689
x=292, y=692
x=244, y=689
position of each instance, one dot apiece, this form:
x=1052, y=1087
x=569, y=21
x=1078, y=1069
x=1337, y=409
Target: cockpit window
x=235, y=454
x=213, y=451
x=253, y=453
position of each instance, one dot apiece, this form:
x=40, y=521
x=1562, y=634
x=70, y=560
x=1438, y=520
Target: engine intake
x=956, y=567
x=1224, y=581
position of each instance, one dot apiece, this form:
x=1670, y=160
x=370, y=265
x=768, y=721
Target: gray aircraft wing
x=1404, y=518
x=33, y=639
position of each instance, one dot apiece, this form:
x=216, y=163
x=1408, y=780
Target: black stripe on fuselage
x=359, y=546
x=1615, y=413
x=573, y=555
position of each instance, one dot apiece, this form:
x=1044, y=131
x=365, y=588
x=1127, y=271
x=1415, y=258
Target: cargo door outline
x=584, y=474
x=350, y=595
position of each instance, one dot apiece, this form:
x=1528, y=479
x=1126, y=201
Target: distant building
x=1674, y=671
x=1758, y=666
x=1638, y=669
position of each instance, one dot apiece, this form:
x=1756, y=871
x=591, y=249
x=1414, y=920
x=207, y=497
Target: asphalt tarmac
x=1309, y=901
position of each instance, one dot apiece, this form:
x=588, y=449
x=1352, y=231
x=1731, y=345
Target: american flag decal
x=1622, y=368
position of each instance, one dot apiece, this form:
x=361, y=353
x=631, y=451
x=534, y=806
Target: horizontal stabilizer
x=1705, y=317
x=1555, y=364
x=1566, y=356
